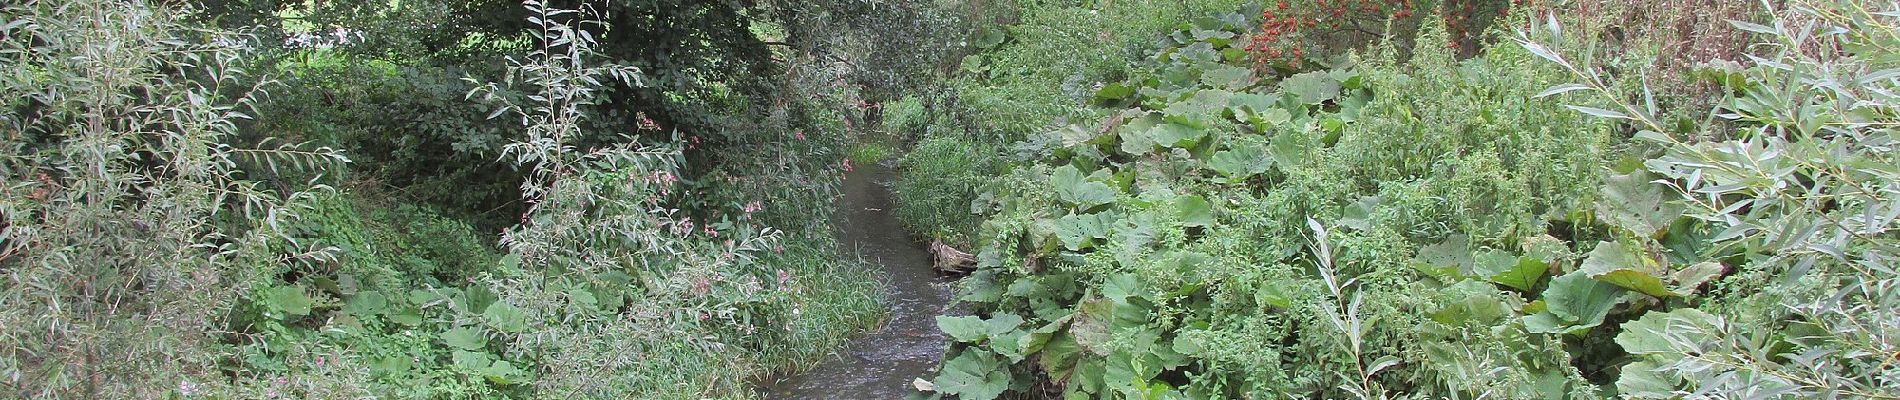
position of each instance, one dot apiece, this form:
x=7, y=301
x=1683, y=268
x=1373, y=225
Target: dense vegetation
x=1432, y=199
x=1481, y=200
x=428, y=199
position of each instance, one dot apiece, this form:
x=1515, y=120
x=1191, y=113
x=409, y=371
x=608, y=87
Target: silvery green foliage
x=1805, y=192
x=128, y=223
x=594, y=214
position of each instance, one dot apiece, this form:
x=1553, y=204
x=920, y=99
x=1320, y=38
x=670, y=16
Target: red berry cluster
x=1289, y=30
x=1290, y=33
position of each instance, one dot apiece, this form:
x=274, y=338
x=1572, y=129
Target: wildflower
x=800, y=135
x=186, y=388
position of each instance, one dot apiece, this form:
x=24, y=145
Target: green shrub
x=938, y=180
x=1784, y=196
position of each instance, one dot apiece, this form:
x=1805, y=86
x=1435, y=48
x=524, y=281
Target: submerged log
x=949, y=259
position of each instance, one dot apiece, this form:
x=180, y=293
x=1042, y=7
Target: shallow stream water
x=879, y=364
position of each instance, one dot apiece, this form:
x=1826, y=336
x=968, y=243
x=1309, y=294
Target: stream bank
x=881, y=363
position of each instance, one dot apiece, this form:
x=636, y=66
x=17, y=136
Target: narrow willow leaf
x=1753, y=27
x=1560, y=89
x=1599, y=112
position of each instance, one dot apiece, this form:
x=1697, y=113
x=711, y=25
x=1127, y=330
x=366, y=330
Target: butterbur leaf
x=1445, y=259
x=1642, y=380
x=1003, y=323
x=1176, y=135
x=1287, y=151
x=1693, y=276
x=1074, y=187
x=1358, y=215
x=1522, y=276
x=505, y=317
x=1580, y=301
x=1034, y=341
x=1240, y=162
x=990, y=37
x=474, y=299
x=1612, y=263
x=1492, y=262
x=1227, y=77
x=1311, y=87
x=975, y=374
x=367, y=303
x=1632, y=202
x=464, y=338
x=1078, y=232
x=1059, y=355
x=1119, y=287
x=470, y=360
x=1113, y=92
x=968, y=329
x=1637, y=281
x=1668, y=333
x=502, y=372
x=288, y=300
x=1194, y=211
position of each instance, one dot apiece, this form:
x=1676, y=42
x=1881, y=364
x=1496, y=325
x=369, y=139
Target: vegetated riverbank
x=881, y=363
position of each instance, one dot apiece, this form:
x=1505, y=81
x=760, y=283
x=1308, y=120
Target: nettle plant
x=1798, y=192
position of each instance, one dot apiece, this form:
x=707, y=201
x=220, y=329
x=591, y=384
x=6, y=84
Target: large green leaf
x=464, y=338
x=1613, y=263
x=975, y=374
x=1522, y=276
x=967, y=329
x=1574, y=301
x=1447, y=259
x=1059, y=355
x=1176, y=135
x=1194, y=211
x=1632, y=202
x=367, y=303
x=1119, y=287
x=1240, y=161
x=1078, y=232
x=1134, y=134
x=1492, y=262
x=1113, y=92
x=1002, y=323
x=1074, y=187
x=1311, y=87
x=1227, y=77
x=288, y=301
x=1674, y=332
x=505, y=317
x=1642, y=380
x=989, y=37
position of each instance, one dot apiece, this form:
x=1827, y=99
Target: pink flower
x=186, y=388
x=800, y=135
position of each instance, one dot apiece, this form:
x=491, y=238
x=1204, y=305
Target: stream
x=879, y=364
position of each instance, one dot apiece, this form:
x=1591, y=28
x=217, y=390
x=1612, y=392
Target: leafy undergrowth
x=1443, y=228
x=168, y=229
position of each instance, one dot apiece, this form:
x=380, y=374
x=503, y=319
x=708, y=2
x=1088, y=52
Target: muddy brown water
x=879, y=364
